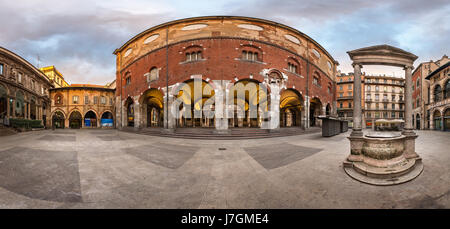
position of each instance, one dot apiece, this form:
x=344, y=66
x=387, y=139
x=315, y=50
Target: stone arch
x=291, y=108
x=437, y=93
x=247, y=99
x=91, y=118
x=315, y=110
x=447, y=89
x=33, y=105
x=328, y=110
x=152, y=102
x=194, y=109
x=75, y=119
x=437, y=119
x=129, y=109
x=4, y=89
x=58, y=119
x=3, y=101
x=107, y=119
x=446, y=118
x=20, y=104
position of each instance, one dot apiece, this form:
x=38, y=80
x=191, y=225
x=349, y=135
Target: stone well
x=382, y=158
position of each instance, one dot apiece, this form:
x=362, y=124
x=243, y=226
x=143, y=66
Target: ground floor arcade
x=244, y=104
x=77, y=120
x=16, y=103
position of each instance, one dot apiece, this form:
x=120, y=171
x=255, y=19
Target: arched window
x=293, y=65
x=437, y=93
x=418, y=83
x=251, y=53
x=193, y=53
x=127, y=78
x=154, y=74
x=58, y=99
x=316, y=79
x=447, y=89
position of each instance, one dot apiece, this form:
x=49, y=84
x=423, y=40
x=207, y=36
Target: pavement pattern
x=108, y=168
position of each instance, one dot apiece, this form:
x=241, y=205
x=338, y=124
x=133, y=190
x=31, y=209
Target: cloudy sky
x=79, y=37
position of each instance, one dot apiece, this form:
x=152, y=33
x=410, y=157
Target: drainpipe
x=167, y=77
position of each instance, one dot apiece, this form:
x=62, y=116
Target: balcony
x=345, y=109
x=345, y=98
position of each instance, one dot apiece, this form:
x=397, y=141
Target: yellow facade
x=54, y=76
x=82, y=106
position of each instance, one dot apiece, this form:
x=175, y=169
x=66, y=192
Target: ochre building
x=344, y=96
x=55, y=77
x=278, y=65
x=24, y=90
x=82, y=106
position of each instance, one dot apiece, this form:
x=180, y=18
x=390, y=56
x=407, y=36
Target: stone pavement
x=115, y=169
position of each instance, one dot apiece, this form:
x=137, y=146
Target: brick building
x=279, y=66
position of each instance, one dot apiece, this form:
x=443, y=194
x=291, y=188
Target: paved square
x=274, y=156
x=169, y=156
x=114, y=169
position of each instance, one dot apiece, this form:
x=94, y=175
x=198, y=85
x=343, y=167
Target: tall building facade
x=274, y=62
x=422, y=93
x=344, y=96
x=55, y=77
x=384, y=99
x=439, y=105
x=24, y=90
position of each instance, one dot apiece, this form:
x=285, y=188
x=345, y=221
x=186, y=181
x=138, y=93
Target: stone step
x=385, y=172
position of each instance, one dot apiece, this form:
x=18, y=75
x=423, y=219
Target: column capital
x=357, y=64
x=406, y=67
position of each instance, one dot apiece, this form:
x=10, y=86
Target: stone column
x=274, y=108
x=306, y=120
x=408, y=130
x=220, y=104
x=169, y=113
x=8, y=114
x=221, y=109
x=357, y=111
x=13, y=115
x=410, y=151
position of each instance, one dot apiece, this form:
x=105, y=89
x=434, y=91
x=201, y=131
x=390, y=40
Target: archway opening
x=247, y=101
x=196, y=109
x=20, y=105
x=107, y=119
x=33, y=108
x=315, y=110
x=447, y=90
x=58, y=120
x=129, y=104
x=447, y=120
x=152, y=100
x=75, y=120
x=437, y=92
x=90, y=119
x=418, y=121
x=328, y=110
x=437, y=120
x=291, y=107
